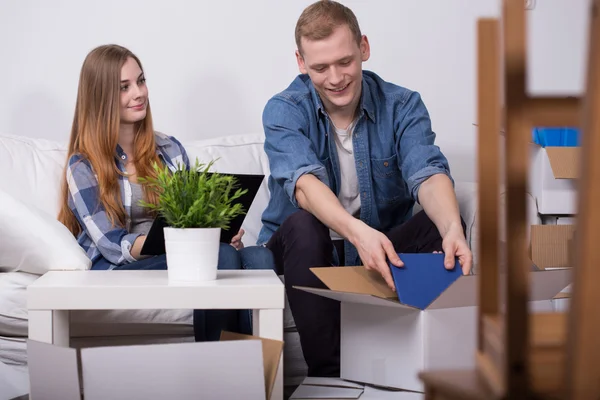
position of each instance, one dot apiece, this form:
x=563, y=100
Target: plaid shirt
x=98, y=237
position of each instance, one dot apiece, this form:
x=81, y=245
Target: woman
x=112, y=144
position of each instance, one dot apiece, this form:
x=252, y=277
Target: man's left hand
x=454, y=245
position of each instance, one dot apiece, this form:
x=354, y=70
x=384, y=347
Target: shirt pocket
x=388, y=185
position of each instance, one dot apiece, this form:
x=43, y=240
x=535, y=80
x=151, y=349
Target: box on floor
x=553, y=177
x=335, y=388
x=238, y=366
x=387, y=343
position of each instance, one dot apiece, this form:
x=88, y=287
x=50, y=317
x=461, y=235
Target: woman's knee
x=257, y=257
x=229, y=257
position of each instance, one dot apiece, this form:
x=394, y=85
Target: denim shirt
x=393, y=145
x=99, y=237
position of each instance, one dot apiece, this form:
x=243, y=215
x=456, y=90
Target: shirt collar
x=366, y=100
x=160, y=139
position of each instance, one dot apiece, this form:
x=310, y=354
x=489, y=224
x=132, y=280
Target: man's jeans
x=208, y=324
x=302, y=242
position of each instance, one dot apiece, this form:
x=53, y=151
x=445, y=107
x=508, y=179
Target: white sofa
x=30, y=171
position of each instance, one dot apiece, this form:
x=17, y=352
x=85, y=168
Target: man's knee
x=303, y=223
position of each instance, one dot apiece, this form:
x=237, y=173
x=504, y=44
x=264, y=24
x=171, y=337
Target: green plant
x=194, y=198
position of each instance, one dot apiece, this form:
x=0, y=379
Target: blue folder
x=423, y=278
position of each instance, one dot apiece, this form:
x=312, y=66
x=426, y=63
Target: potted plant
x=195, y=204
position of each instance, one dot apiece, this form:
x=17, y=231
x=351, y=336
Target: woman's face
x=134, y=93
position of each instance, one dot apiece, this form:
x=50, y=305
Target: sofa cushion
x=241, y=154
x=30, y=170
x=34, y=241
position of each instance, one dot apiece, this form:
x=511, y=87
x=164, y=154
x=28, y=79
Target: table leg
x=49, y=326
x=268, y=324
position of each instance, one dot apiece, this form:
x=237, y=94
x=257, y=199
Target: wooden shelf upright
x=521, y=355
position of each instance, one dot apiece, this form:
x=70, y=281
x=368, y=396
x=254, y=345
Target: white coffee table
x=52, y=296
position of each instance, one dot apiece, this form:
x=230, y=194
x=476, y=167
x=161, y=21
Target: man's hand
x=455, y=245
x=236, y=241
x=374, y=249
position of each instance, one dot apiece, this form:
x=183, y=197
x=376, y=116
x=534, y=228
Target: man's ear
x=300, y=61
x=365, y=48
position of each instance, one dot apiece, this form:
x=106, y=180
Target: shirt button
x=385, y=163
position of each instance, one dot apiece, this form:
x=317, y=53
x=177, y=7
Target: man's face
x=334, y=66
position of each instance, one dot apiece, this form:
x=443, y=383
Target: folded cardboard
x=553, y=178
x=336, y=388
x=327, y=388
x=231, y=368
x=386, y=342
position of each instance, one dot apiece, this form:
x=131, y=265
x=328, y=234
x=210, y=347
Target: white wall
x=212, y=65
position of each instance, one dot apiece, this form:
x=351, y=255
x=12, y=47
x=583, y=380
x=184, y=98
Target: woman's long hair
x=95, y=133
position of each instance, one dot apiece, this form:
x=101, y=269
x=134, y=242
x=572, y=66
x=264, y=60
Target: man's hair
x=318, y=21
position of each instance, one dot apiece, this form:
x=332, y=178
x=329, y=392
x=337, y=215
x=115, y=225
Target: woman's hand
x=236, y=241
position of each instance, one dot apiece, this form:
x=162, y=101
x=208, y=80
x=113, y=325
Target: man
x=349, y=155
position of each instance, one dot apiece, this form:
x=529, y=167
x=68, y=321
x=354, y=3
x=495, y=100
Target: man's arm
x=373, y=246
x=438, y=199
x=427, y=173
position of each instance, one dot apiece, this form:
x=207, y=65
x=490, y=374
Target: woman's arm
x=115, y=243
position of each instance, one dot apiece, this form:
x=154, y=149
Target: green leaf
x=193, y=198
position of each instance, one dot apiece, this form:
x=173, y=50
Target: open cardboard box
x=385, y=342
x=236, y=367
x=552, y=178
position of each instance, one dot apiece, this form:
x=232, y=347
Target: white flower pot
x=192, y=254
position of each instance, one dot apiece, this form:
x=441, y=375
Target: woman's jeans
x=208, y=324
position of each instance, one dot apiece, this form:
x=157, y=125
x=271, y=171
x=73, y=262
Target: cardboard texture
x=550, y=245
x=564, y=161
x=235, y=367
x=386, y=343
x=272, y=350
x=552, y=179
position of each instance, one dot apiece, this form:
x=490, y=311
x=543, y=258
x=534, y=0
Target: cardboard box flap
x=544, y=285
x=53, y=371
x=564, y=161
x=333, y=382
x=272, y=350
x=175, y=371
x=550, y=245
x=354, y=280
x=462, y=293
x=357, y=298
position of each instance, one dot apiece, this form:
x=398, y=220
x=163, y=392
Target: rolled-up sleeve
x=291, y=153
x=113, y=242
x=418, y=156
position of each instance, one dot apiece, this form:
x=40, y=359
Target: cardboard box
x=335, y=388
x=386, y=343
x=552, y=178
x=235, y=367
x=551, y=245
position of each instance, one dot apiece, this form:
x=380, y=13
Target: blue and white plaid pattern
x=99, y=238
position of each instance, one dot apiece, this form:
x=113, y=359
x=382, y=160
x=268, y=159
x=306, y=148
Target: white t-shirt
x=349, y=195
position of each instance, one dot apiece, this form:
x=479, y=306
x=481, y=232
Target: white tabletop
x=113, y=290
